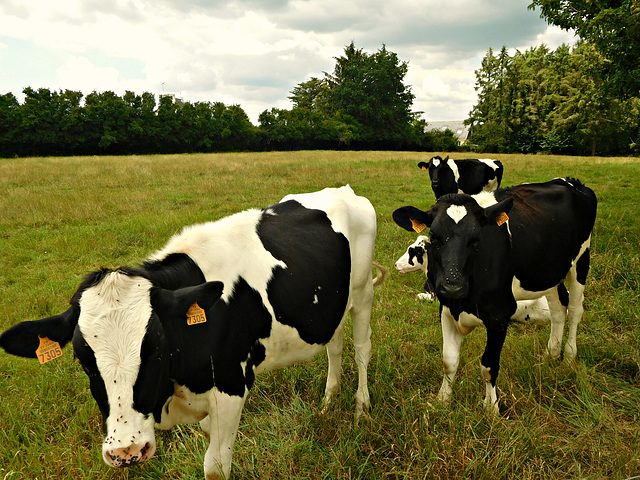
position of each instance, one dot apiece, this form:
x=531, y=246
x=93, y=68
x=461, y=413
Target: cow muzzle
x=128, y=456
x=452, y=292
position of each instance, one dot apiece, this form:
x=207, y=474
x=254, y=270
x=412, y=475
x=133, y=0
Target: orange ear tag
x=195, y=315
x=502, y=219
x=417, y=226
x=424, y=168
x=48, y=350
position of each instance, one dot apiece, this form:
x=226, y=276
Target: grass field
x=61, y=218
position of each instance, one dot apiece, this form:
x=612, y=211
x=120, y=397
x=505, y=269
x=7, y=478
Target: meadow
x=61, y=218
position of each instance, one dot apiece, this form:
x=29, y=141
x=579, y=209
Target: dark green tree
x=370, y=89
x=613, y=26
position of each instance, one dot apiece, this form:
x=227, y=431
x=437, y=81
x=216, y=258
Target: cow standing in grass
x=181, y=338
x=463, y=176
x=487, y=252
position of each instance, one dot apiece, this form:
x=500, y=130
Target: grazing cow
x=181, y=338
x=488, y=251
x=469, y=175
x=415, y=259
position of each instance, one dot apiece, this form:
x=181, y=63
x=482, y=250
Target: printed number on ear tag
x=417, y=226
x=195, y=315
x=502, y=219
x=48, y=350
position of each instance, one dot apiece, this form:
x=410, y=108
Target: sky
x=252, y=53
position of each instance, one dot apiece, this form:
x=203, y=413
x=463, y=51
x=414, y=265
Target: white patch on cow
x=315, y=299
x=532, y=310
x=454, y=169
x=520, y=293
x=457, y=212
x=226, y=250
x=467, y=323
x=113, y=321
x=491, y=396
x=285, y=347
x=485, y=199
x=489, y=162
x=435, y=161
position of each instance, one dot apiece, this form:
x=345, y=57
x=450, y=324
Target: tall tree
x=370, y=89
x=613, y=26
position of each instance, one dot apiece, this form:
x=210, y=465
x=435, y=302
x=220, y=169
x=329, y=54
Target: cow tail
x=381, y=274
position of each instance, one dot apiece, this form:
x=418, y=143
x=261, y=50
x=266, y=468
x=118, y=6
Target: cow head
x=116, y=325
x=415, y=258
x=457, y=226
x=443, y=179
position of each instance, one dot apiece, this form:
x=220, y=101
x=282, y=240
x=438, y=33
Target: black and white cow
x=181, y=338
x=415, y=259
x=468, y=175
x=490, y=250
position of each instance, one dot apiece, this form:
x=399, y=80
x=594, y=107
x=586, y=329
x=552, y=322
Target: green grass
x=61, y=218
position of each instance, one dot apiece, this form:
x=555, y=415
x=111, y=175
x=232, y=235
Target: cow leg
x=490, y=363
x=361, y=320
x=558, y=315
x=451, y=342
x=224, y=418
x=576, y=279
x=334, y=354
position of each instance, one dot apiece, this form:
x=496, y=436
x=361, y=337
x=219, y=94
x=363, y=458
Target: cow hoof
x=491, y=409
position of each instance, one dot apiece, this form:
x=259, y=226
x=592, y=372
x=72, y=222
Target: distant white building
x=456, y=126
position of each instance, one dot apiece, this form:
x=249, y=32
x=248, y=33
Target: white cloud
x=253, y=52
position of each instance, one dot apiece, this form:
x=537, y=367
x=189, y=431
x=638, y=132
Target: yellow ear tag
x=417, y=226
x=502, y=219
x=48, y=350
x=195, y=315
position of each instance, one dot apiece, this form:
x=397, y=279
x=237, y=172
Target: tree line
x=363, y=104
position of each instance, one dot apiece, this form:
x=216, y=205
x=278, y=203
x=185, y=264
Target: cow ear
x=423, y=166
x=23, y=339
x=177, y=302
x=412, y=219
x=498, y=213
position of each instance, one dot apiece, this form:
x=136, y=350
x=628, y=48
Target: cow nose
x=453, y=292
x=131, y=455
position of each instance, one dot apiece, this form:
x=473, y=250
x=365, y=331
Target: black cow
x=181, y=338
x=524, y=242
x=469, y=175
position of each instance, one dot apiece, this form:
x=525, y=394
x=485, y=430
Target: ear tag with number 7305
x=196, y=315
x=48, y=350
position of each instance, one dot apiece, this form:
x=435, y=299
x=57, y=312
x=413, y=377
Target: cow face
x=443, y=179
x=415, y=258
x=456, y=223
x=116, y=327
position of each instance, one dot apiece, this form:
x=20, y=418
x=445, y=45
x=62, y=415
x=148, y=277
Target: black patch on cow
x=311, y=293
x=153, y=385
x=212, y=353
x=563, y=295
x=417, y=253
x=176, y=270
x=582, y=267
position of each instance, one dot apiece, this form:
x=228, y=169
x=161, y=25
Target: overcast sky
x=254, y=52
